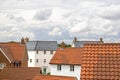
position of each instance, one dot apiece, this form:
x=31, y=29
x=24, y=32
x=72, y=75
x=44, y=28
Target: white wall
x=31, y=55
x=65, y=70
x=40, y=56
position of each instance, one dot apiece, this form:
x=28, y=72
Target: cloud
x=60, y=19
x=43, y=14
x=17, y=19
x=55, y=32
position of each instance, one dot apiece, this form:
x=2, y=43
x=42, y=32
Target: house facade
x=67, y=62
x=40, y=53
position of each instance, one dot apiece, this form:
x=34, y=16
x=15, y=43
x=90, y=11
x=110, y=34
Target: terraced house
x=67, y=62
x=40, y=54
x=13, y=54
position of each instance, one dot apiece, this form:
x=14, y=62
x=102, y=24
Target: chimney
x=75, y=39
x=26, y=39
x=62, y=45
x=101, y=40
x=22, y=40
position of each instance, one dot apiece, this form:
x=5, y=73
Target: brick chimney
x=75, y=39
x=101, y=40
x=62, y=45
x=24, y=40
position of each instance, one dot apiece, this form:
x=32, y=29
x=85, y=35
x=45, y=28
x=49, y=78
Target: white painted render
x=41, y=57
x=65, y=71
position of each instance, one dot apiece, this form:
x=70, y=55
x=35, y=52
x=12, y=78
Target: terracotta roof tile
x=52, y=77
x=22, y=73
x=67, y=56
x=101, y=62
x=13, y=50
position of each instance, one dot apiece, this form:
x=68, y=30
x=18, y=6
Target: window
x=0, y=65
x=37, y=60
x=71, y=67
x=44, y=60
x=37, y=52
x=51, y=52
x=58, y=67
x=44, y=52
x=30, y=60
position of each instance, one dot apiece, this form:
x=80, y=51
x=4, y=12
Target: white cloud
x=59, y=19
x=55, y=32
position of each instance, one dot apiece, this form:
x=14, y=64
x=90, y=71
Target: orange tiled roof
x=51, y=77
x=22, y=73
x=13, y=50
x=101, y=62
x=67, y=56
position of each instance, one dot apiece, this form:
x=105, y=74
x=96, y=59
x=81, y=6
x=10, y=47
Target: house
x=53, y=77
x=21, y=73
x=12, y=54
x=77, y=43
x=67, y=62
x=40, y=54
x=101, y=62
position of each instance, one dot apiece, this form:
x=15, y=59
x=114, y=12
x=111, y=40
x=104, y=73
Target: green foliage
x=66, y=45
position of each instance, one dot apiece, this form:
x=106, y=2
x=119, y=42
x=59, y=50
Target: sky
x=60, y=20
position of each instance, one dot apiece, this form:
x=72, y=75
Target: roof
x=13, y=50
x=52, y=77
x=81, y=43
x=67, y=56
x=21, y=73
x=41, y=45
x=101, y=62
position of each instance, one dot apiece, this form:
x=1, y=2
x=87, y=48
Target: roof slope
x=101, y=62
x=13, y=50
x=41, y=45
x=81, y=43
x=51, y=77
x=67, y=56
x=21, y=73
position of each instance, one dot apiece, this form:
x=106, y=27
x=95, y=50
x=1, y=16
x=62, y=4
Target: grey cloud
x=43, y=14
x=17, y=19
